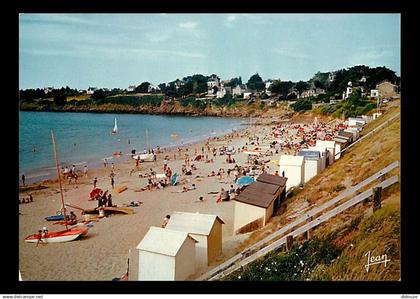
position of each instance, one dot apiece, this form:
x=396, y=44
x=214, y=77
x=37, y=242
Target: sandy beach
x=103, y=253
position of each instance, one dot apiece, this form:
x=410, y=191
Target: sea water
x=86, y=139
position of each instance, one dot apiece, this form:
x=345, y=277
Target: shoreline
x=112, y=237
x=98, y=164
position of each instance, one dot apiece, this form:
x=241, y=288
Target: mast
x=59, y=179
x=147, y=140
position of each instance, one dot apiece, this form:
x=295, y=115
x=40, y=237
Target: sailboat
x=148, y=157
x=69, y=234
x=115, y=129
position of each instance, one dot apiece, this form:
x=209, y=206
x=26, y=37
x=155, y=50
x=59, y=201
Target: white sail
x=115, y=129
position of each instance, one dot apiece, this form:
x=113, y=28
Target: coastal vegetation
x=193, y=95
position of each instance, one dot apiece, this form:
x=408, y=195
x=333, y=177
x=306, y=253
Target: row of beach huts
x=192, y=241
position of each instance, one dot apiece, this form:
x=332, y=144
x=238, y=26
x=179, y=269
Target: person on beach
x=95, y=181
x=73, y=169
x=72, y=218
x=23, y=179
x=152, y=173
x=112, y=179
x=85, y=171
x=39, y=237
x=201, y=199
x=223, y=196
x=105, y=162
x=112, y=166
x=276, y=173
x=166, y=220
x=165, y=164
x=109, y=200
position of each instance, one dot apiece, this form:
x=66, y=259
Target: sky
x=118, y=50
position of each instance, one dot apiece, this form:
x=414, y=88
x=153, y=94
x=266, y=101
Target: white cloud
x=111, y=53
x=188, y=25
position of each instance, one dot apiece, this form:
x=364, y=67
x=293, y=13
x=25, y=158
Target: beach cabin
x=205, y=229
x=349, y=135
x=166, y=254
x=293, y=168
x=329, y=145
x=312, y=163
x=354, y=132
x=340, y=144
x=260, y=200
x=355, y=121
x=323, y=154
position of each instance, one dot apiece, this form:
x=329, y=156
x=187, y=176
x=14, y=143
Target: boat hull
x=59, y=236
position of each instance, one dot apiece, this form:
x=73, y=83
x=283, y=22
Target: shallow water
x=85, y=138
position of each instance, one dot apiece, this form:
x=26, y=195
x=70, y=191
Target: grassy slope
x=378, y=233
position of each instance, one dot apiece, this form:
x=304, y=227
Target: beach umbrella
x=245, y=180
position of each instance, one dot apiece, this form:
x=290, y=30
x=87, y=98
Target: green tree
x=255, y=82
x=301, y=86
x=98, y=94
x=142, y=88
x=60, y=100
x=302, y=104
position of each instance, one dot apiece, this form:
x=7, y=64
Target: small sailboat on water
x=115, y=129
x=69, y=234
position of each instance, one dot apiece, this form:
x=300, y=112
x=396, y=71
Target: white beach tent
x=294, y=170
x=204, y=228
x=329, y=145
x=166, y=254
x=312, y=163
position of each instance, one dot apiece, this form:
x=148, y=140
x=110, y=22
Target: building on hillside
x=247, y=95
x=223, y=91
x=331, y=76
x=348, y=91
x=152, y=88
x=374, y=93
x=131, y=88
x=293, y=168
x=387, y=89
x=205, y=229
x=260, y=200
x=213, y=81
x=91, y=90
x=166, y=254
x=48, y=89
x=312, y=163
x=312, y=92
x=239, y=90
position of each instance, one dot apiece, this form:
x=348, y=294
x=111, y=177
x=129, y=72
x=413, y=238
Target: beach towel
x=121, y=189
x=174, y=179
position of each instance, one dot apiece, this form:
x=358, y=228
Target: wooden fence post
x=289, y=242
x=377, y=196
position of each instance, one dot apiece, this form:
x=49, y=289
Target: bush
x=302, y=105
